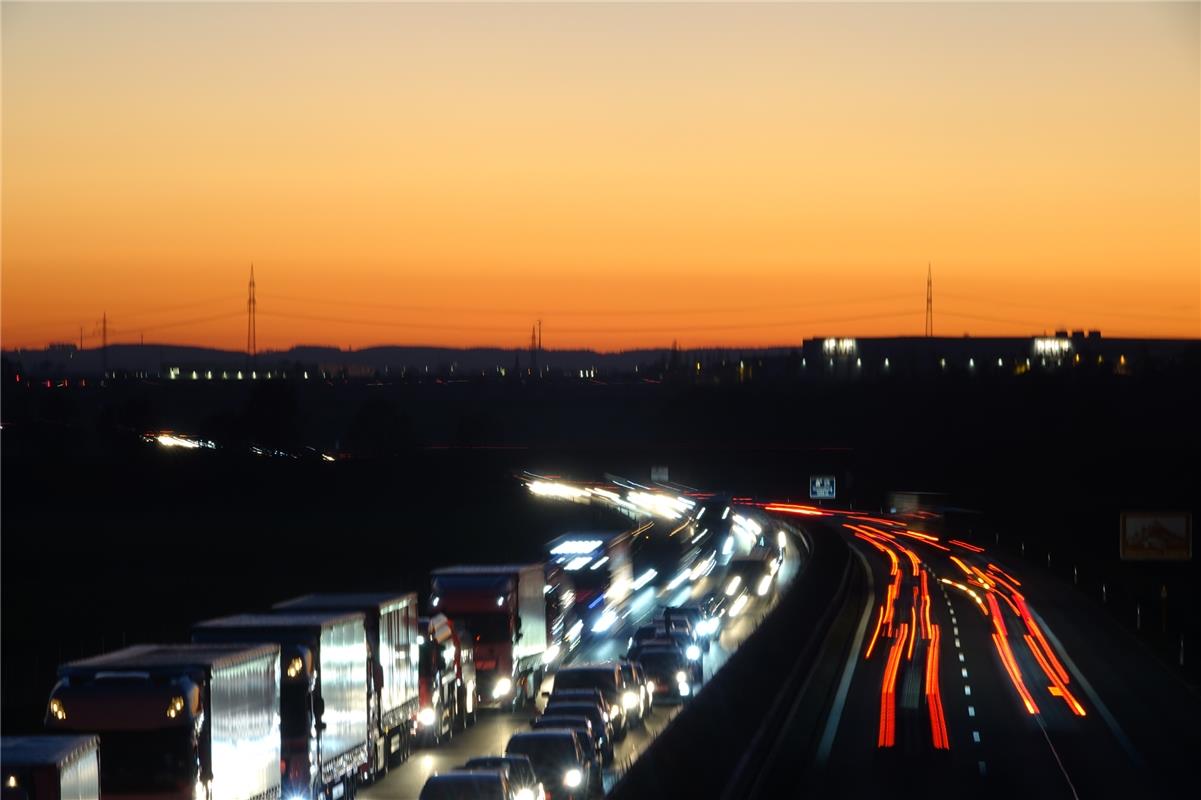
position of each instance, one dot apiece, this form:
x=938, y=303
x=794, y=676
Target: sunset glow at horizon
x=721, y=175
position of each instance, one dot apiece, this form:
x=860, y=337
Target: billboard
x=1156, y=536
x=821, y=487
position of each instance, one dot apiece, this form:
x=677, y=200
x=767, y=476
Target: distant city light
x=1053, y=346
x=842, y=347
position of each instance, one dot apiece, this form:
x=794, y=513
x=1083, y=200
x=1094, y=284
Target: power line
x=656, y=312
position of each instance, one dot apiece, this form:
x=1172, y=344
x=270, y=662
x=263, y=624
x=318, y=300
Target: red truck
x=505, y=608
x=447, y=690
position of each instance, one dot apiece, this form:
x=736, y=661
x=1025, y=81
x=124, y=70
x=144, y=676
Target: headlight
x=502, y=688
x=295, y=667
x=630, y=699
x=764, y=585
x=650, y=687
x=525, y=793
x=614, y=711
x=693, y=652
x=572, y=778
x=739, y=604
x=684, y=688
x=174, y=707
x=681, y=676
x=425, y=717
x=57, y=709
x=550, y=654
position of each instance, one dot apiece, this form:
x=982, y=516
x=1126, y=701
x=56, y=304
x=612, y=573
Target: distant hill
x=67, y=360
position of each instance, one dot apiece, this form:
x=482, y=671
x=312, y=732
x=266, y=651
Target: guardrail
x=718, y=742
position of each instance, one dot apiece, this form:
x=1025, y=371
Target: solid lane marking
x=844, y=683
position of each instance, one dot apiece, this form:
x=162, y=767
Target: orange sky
x=632, y=174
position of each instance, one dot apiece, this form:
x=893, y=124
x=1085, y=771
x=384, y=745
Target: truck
x=322, y=699
x=448, y=690
x=50, y=767
x=504, y=607
x=598, y=568
x=392, y=648
x=177, y=722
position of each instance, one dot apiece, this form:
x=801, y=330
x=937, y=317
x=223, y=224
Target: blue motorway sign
x=821, y=487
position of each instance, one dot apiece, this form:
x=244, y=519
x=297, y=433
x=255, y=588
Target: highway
x=957, y=684
x=491, y=732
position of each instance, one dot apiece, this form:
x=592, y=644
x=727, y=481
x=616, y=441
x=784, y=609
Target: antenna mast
x=251, y=342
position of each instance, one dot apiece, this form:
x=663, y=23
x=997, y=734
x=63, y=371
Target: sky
x=631, y=174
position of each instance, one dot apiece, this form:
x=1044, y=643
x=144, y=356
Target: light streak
x=1057, y=689
x=938, y=722
x=1015, y=674
x=872, y=644
x=1012, y=579
x=912, y=632
x=888, y=722
x=963, y=567
x=925, y=609
x=965, y=545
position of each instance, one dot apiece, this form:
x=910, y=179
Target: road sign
x=1156, y=536
x=821, y=487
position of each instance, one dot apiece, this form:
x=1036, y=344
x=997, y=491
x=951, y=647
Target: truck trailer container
x=505, y=608
x=392, y=701
x=322, y=699
x=50, y=767
x=177, y=721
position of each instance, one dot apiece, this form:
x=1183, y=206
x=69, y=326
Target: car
x=636, y=699
x=683, y=639
x=559, y=761
x=524, y=782
x=466, y=784
x=670, y=672
x=700, y=620
x=592, y=738
x=601, y=728
x=576, y=694
x=694, y=666
x=605, y=676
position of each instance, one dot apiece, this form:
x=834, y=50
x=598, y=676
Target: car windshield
x=464, y=787
x=520, y=771
x=660, y=661
x=550, y=755
x=586, y=679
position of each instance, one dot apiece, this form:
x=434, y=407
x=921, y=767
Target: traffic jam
x=515, y=681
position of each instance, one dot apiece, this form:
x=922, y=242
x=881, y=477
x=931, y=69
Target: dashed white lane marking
x=971, y=711
x=961, y=657
x=967, y=690
x=956, y=643
x=983, y=769
x=955, y=630
x=976, y=737
x=963, y=671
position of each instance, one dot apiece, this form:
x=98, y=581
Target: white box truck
x=392, y=702
x=322, y=698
